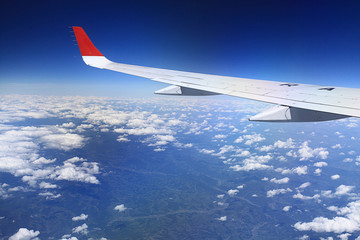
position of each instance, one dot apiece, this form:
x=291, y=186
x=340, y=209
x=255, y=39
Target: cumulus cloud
x=122, y=138
x=25, y=234
x=149, y=130
x=82, y=173
x=68, y=125
x=304, y=185
x=347, y=221
x=335, y=177
x=303, y=197
x=342, y=190
x=250, y=139
x=305, y=152
x=289, y=143
x=320, y=164
x=220, y=136
x=20, y=147
x=286, y=208
x=337, y=146
x=344, y=236
x=223, y=218
x=220, y=196
x=50, y=195
x=318, y=171
x=120, y=208
x=65, y=141
x=280, y=181
x=68, y=237
x=240, y=186
x=207, y=151
x=162, y=140
x=82, y=229
x=232, y=192
x=254, y=163
x=82, y=216
x=266, y=148
x=47, y=185
x=239, y=140
x=300, y=170
x=274, y=192
x=304, y=237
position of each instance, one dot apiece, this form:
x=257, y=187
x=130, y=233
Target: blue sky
x=293, y=41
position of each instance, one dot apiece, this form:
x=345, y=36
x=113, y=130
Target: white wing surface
x=298, y=102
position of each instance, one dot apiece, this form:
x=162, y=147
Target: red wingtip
x=87, y=48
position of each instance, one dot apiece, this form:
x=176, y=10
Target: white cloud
x=49, y=195
x=80, y=218
x=251, y=166
x=280, y=181
x=344, y=236
x=335, y=177
x=286, y=208
x=232, y=192
x=64, y=142
x=272, y=193
x=351, y=125
x=303, y=197
x=288, y=144
x=348, y=221
x=240, y=186
x=304, y=185
x=239, y=140
x=160, y=140
x=220, y=196
x=254, y=163
x=159, y=149
x=305, y=152
x=220, y=136
x=250, y=139
x=68, y=125
x=300, y=170
x=122, y=138
x=149, y=130
x=344, y=190
x=226, y=149
x=337, y=146
x=304, y=237
x=320, y=164
x=47, y=185
x=68, y=237
x=20, y=147
x=318, y=171
x=207, y=151
x=82, y=173
x=223, y=218
x=266, y=148
x=25, y=234
x=83, y=229
x=120, y=208
x=242, y=153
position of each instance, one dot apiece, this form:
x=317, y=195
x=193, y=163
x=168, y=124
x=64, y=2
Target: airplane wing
x=295, y=102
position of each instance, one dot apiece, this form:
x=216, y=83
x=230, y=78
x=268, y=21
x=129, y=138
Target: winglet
x=87, y=48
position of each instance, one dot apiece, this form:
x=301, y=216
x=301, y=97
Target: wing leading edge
x=296, y=102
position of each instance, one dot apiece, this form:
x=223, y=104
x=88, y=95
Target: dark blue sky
x=314, y=42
